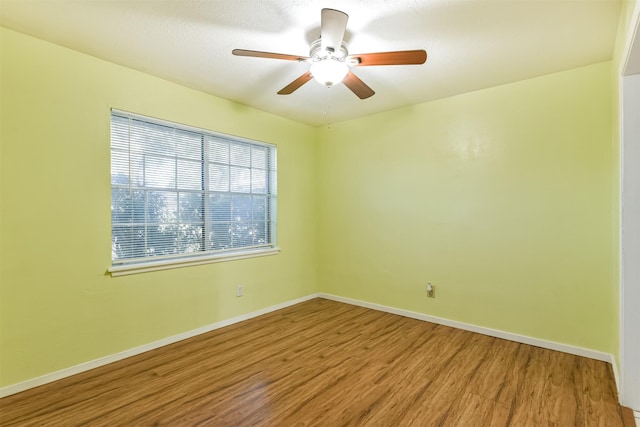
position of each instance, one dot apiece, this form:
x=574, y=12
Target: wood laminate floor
x=330, y=364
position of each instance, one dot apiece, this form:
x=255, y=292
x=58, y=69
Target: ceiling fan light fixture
x=329, y=71
x=330, y=60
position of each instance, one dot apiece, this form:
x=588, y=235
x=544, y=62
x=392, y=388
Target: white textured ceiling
x=471, y=44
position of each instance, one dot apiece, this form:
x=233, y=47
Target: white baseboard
x=551, y=345
x=67, y=372
x=63, y=373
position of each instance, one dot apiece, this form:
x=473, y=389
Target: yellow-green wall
x=58, y=307
x=502, y=198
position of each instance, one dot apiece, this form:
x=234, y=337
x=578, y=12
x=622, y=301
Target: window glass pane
x=220, y=236
x=119, y=167
x=161, y=239
x=190, y=238
x=136, y=169
x=119, y=133
x=127, y=207
x=241, y=234
x=240, y=179
x=188, y=144
x=241, y=208
x=220, y=207
x=127, y=242
x=260, y=233
x=218, y=151
x=190, y=208
x=259, y=208
x=158, y=139
x=189, y=175
x=218, y=178
x=159, y=172
x=162, y=207
x=137, y=137
x=121, y=212
x=240, y=155
x=258, y=181
x=259, y=157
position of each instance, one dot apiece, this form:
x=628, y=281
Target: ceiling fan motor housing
x=317, y=54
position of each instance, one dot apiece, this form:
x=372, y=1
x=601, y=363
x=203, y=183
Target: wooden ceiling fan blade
x=261, y=54
x=294, y=85
x=357, y=86
x=333, y=24
x=402, y=57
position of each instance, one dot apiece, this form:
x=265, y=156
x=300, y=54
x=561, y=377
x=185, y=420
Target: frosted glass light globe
x=329, y=71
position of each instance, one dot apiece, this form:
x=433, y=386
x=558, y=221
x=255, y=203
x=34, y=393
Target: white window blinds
x=181, y=192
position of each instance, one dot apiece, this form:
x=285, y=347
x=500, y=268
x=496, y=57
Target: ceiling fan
x=330, y=61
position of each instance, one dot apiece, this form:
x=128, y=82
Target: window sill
x=144, y=267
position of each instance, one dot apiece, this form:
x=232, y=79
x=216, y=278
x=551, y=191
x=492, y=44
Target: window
x=179, y=193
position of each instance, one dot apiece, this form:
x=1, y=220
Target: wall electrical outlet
x=431, y=290
x=239, y=290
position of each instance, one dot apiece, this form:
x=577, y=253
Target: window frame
x=147, y=263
